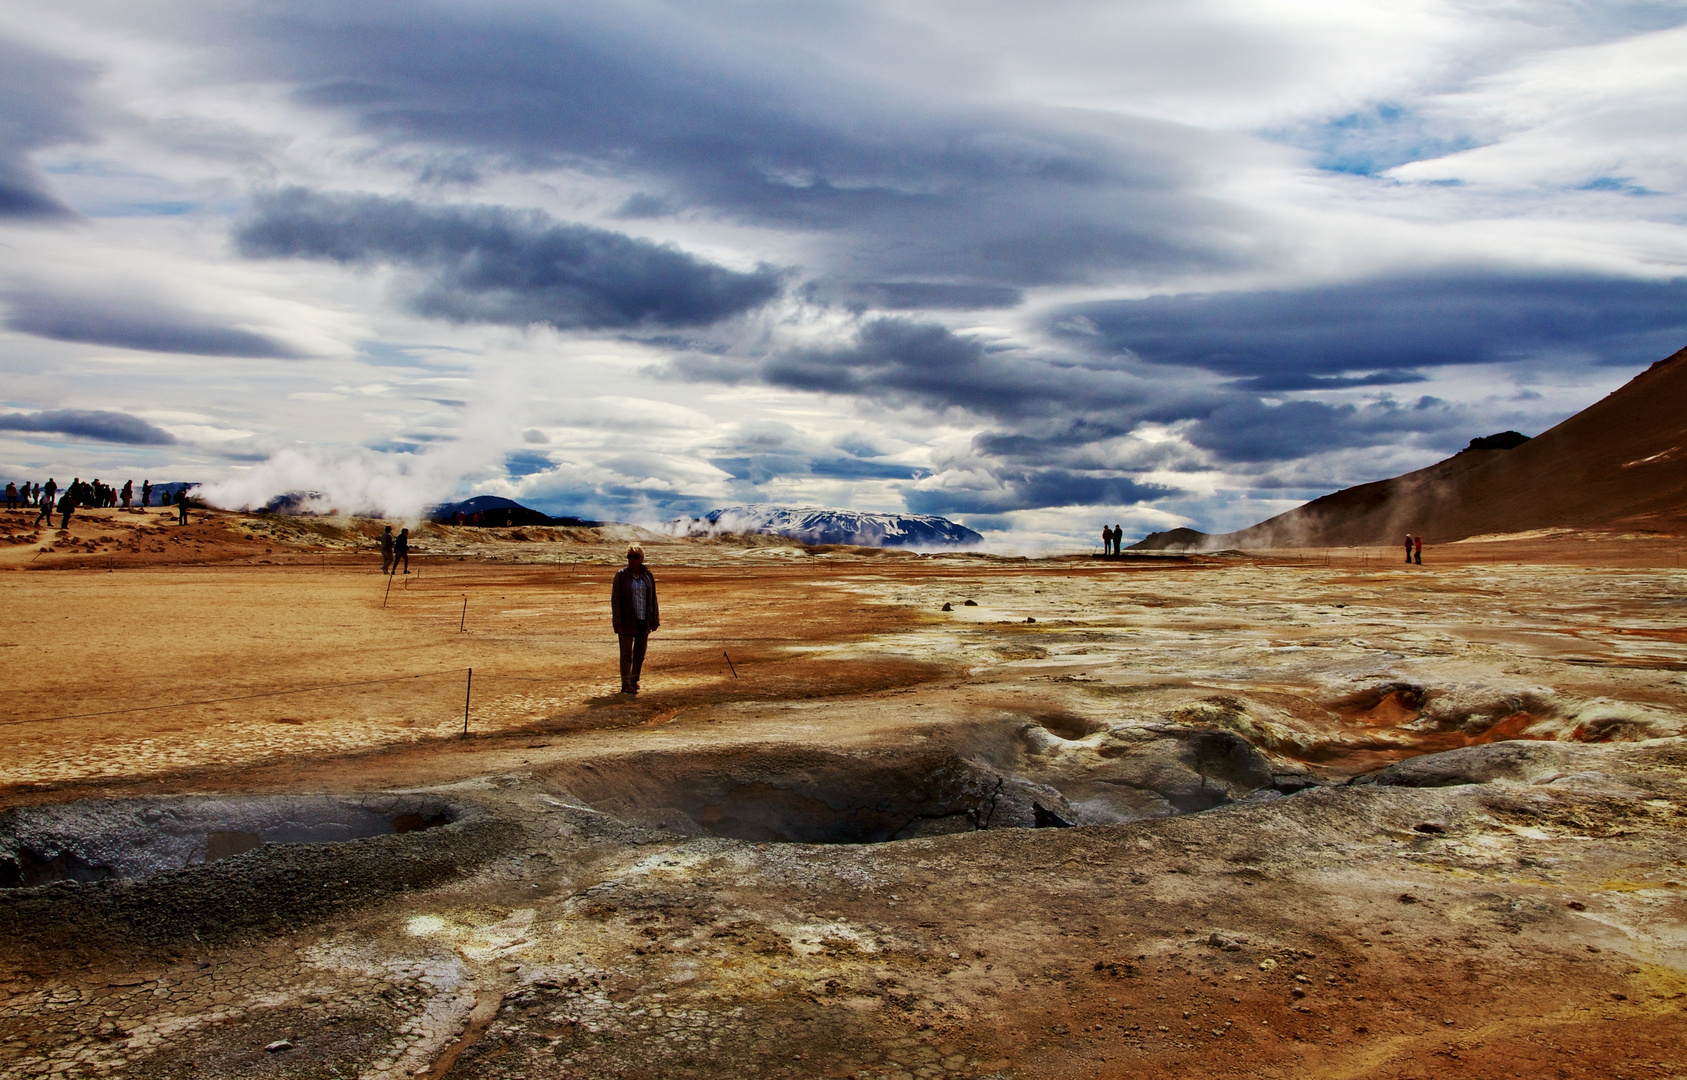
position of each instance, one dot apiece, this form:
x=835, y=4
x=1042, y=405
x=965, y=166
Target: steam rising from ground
x=369, y=483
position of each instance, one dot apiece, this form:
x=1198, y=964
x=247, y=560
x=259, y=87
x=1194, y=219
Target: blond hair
x=636, y=549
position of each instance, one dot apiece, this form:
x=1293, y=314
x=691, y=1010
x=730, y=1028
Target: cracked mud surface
x=1500, y=892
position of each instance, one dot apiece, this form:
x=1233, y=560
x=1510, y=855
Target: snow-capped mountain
x=820, y=525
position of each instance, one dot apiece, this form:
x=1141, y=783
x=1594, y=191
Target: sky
x=1033, y=267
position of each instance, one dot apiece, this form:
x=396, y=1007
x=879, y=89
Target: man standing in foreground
x=634, y=615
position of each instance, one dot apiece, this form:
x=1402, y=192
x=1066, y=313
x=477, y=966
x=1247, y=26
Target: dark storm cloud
x=96, y=424
x=914, y=295
x=40, y=106
x=133, y=326
x=1032, y=490
x=488, y=264
x=1244, y=429
x=1396, y=324
x=906, y=360
x=1282, y=381
x=707, y=112
x=761, y=468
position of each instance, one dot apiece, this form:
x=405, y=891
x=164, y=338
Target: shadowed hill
x=1619, y=464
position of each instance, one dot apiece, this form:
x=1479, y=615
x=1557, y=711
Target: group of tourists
x=91, y=493
x=49, y=497
x=1111, y=537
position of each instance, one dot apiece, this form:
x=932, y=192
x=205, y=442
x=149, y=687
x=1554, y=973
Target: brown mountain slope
x=1619, y=464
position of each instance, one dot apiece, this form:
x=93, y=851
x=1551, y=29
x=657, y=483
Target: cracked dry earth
x=1331, y=821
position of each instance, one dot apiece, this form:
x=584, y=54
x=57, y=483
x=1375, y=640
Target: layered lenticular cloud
x=96, y=424
x=488, y=264
x=1037, y=269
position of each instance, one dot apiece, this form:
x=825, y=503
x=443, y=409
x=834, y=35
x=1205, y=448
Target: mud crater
x=1018, y=777
x=101, y=839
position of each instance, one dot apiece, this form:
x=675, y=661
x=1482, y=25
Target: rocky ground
x=1338, y=819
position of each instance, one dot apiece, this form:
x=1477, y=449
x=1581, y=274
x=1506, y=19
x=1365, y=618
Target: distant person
x=401, y=551
x=67, y=507
x=1417, y=550
x=1106, y=540
x=146, y=492
x=12, y=495
x=49, y=491
x=128, y=492
x=386, y=551
x=1118, y=538
x=1408, y=547
x=634, y=615
x=181, y=505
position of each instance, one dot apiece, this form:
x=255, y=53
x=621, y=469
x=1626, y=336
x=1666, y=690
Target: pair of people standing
x=395, y=549
x=1414, y=549
x=1110, y=539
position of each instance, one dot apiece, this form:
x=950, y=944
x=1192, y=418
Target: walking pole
x=468, y=689
x=465, y=618
x=388, y=592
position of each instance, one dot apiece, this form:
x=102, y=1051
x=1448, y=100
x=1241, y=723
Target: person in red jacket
x=634, y=615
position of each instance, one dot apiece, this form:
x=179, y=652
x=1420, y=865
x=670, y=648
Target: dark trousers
x=632, y=654
x=181, y=513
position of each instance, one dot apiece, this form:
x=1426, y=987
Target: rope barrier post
x=464, y=620
x=468, y=689
x=388, y=592
x=730, y=665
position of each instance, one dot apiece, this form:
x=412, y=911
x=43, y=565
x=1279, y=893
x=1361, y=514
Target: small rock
x=1619, y=997
x=969, y=603
x=278, y=1045
x=948, y=607
x=1576, y=905
x=1219, y=941
x=1408, y=898
x=1268, y=964
x=1029, y=619
x=1428, y=827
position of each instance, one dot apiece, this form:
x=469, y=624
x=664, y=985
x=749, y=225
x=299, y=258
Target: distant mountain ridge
x=497, y=511
x=1619, y=464
x=823, y=525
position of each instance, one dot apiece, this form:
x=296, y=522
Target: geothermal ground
x=1332, y=816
